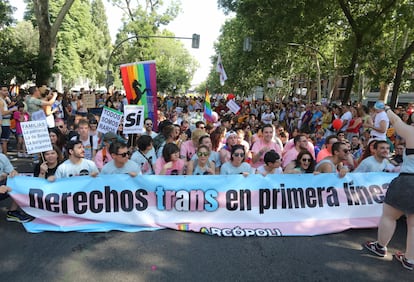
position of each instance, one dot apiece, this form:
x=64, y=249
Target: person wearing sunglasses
x=202, y=165
x=169, y=163
x=148, y=126
x=304, y=163
x=237, y=164
x=120, y=163
x=334, y=163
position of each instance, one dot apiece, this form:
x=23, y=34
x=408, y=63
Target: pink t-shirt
x=178, y=165
x=16, y=116
x=290, y=153
x=187, y=150
x=258, y=145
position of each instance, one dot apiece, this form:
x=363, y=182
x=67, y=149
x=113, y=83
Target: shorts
x=400, y=193
x=5, y=132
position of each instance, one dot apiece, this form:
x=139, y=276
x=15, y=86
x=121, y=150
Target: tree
x=6, y=12
x=47, y=36
x=175, y=67
x=18, y=46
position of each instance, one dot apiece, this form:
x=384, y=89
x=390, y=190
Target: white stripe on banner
x=275, y=205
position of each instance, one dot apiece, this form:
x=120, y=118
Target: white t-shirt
x=346, y=116
x=130, y=166
x=69, y=169
x=377, y=120
x=370, y=164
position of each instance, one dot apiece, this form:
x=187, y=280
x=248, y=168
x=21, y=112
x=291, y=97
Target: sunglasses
x=306, y=160
x=60, y=126
x=201, y=154
x=148, y=124
x=345, y=151
x=124, y=154
x=239, y=155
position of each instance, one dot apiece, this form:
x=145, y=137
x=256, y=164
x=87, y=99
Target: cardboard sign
x=89, y=100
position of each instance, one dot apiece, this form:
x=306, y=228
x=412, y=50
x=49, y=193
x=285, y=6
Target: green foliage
x=19, y=52
x=6, y=12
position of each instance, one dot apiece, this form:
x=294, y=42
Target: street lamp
x=109, y=77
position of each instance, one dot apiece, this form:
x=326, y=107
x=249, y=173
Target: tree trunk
x=384, y=90
x=47, y=37
x=351, y=71
x=398, y=74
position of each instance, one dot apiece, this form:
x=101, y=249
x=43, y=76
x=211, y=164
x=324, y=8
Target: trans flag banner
x=221, y=205
x=140, y=84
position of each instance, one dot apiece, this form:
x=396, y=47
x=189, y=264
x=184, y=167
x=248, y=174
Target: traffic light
x=195, y=41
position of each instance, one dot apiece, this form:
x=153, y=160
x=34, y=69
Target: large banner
x=233, y=205
x=140, y=84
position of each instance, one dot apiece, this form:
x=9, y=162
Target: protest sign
x=222, y=205
x=36, y=136
x=109, y=120
x=134, y=119
x=89, y=100
x=234, y=108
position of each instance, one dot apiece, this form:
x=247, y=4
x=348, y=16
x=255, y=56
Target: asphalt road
x=169, y=255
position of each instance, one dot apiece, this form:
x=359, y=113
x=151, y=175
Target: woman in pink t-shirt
x=169, y=163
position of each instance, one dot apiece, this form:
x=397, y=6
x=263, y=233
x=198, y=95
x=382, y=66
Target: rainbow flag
x=208, y=113
x=140, y=84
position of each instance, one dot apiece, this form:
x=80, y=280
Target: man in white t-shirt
x=381, y=122
x=379, y=161
x=346, y=118
x=76, y=165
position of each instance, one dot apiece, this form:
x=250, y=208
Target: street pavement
x=168, y=255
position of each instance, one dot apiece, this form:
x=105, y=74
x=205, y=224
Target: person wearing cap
x=225, y=151
x=381, y=122
x=103, y=156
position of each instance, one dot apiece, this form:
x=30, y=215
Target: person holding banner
x=202, y=165
x=7, y=170
x=145, y=155
x=398, y=200
x=52, y=159
x=334, y=163
x=76, y=165
x=272, y=164
x=170, y=162
x=237, y=164
x=120, y=163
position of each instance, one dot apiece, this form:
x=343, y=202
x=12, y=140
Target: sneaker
x=18, y=216
x=372, y=246
x=20, y=155
x=404, y=262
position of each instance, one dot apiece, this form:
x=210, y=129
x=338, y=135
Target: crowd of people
x=262, y=138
